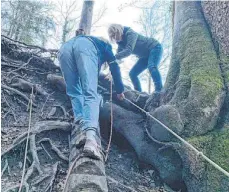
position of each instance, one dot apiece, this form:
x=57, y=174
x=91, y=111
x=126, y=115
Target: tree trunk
x=86, y=16
x=64, y=30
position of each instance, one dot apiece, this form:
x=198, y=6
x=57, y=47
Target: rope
x=27, y=139
x=111, y=127
x=199, y=153
x=69, y=172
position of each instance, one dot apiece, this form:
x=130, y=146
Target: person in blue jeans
x=148, y=50
x=80, y=60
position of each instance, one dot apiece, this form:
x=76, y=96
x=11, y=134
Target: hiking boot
x=92, y=150
x=80, y=139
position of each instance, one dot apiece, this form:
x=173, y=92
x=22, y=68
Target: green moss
x=202, y=143
x=220, y=155
x=207, y=85
x=225, y=67
x=215, y=145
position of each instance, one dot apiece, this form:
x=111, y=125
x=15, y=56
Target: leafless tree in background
x=27, y=21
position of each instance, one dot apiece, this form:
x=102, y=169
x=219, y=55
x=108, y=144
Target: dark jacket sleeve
x=115, y=70
x=131, y=39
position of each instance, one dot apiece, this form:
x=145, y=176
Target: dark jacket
x=105, y=54
x=134, y=43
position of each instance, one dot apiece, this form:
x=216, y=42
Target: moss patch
x=207, y=85
x=215, y=145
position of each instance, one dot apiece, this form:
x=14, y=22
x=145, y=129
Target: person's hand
x=121, y=96
x=108, y=77
x=119, y=61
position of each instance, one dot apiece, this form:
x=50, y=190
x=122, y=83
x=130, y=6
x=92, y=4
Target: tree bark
x=86, y=16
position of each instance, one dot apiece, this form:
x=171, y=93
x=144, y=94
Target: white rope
x=30, y=105
x=111, y=125
x=181, y=139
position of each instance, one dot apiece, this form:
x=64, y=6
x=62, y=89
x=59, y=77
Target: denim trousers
x=79, y=65
x=151, y=63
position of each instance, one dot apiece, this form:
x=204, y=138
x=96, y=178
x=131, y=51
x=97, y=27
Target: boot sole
x=89, y=153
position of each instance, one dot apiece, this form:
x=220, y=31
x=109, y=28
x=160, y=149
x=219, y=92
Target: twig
x=23, y=103
x=21, y=67
x=5, y=167
x=27, y=141
x=41, y=113
x=54, y=148
x=46, y=151
x=18, y=92
x=10, y=109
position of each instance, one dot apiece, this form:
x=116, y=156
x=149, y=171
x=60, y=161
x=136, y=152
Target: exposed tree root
x=41, y=113
x=112, y=180
x=52, y=179
x=45, y=126
x=10, y=111
x=5, y=167
x=22, y=66
x=15, y=188
x=18, y=93
x=27, y=86
x=55, y=149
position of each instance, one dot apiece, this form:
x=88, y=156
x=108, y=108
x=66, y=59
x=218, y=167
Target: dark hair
x=79, y=32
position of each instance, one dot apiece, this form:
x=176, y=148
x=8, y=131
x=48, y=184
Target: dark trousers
x=151, y=63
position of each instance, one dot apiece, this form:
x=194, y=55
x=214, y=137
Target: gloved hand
x=119, y=61
x=121, y=96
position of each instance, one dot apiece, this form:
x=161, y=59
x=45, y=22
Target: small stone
x=20, y=164
x=5, y=139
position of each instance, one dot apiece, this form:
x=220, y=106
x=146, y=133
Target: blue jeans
x=79, y=65
x=151, y=63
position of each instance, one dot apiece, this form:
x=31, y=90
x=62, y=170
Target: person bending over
x=148, y=50
x=80, y=60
